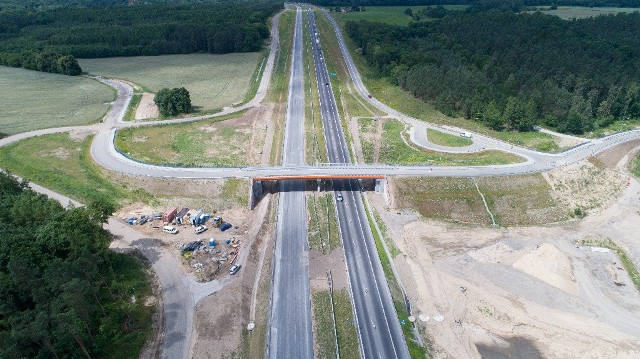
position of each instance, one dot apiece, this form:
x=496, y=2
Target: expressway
x=290, y=334
x=379, y=331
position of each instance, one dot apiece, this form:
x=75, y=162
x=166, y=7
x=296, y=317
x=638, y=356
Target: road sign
x=333, y=74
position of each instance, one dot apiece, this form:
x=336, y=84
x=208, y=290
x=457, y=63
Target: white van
x=170, y=229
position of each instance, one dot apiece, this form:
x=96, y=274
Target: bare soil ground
x=147, y=108
x=527, y=292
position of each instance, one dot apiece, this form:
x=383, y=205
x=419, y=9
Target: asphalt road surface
x=378, y=328
x=290, y=333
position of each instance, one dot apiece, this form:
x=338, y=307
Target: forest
x=513, y=71
x=588, y=3
x=63, y=293
x=150, y=29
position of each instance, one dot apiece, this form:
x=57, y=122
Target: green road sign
x=333, y=74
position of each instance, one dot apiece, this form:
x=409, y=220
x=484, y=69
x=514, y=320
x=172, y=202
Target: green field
x=213, y=81
x=209, y=143
x=513, y=200
x=394, y=150
x=33, y=100
x=578, y=12
x=445, y=139
x=64, y=165
x=393, y=15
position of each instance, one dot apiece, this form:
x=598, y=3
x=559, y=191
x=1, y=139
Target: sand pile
x=550, y=265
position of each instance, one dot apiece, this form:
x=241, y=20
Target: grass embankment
x=635, y=166
x=64, y=165
x=619, y=126
x=513, y=200
x=403, y=101
x=208, y=143
x=323, y=232
x=130, y=114
x=279, y=84
x=445, y=139
x=213, y=81
x=394, y=150
x=415, y=350
x=33, y=100
x=256, y=78
x=628, y=264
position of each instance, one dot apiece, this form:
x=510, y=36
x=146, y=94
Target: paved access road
x=290, y=333
x=379, y=331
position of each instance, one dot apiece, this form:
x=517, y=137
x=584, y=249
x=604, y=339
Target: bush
x=173, y=101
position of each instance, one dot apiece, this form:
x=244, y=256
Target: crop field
x=213, y=81
x=577, y=12
x=392, y=147
x=33, y=100
x=211, y=143
x=513, y=200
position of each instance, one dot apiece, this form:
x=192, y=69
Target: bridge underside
x=263, y=185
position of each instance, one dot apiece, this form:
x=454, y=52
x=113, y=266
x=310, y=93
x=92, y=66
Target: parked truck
x=169, y=215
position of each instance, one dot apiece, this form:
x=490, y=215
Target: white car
x=170, y=229
x=200, y=229
x=339, y=197
x=234, y=269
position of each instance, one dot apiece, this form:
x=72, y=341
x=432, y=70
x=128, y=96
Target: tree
x=101, y=209
x=68, y=65
x=174, y=101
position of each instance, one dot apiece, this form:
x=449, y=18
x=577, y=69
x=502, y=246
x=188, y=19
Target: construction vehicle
x=217, y=221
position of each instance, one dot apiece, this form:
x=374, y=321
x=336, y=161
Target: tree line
x=63, y=293
x=513, y=71
x=45, y=61
x=152, y=29
x=587, y=3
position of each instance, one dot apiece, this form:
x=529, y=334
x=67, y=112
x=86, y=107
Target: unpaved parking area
x=526, y=292
x=147, y=108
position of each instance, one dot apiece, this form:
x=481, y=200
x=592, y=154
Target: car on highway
x=200, y=229
x=339, y=197
x=234, y=269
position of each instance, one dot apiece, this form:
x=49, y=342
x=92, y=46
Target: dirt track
x=528, y=292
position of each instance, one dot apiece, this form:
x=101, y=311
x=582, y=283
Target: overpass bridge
x=258, y=184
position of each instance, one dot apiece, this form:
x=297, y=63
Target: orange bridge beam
x=319, y=177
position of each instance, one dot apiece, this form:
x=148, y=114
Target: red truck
x=169, y=215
